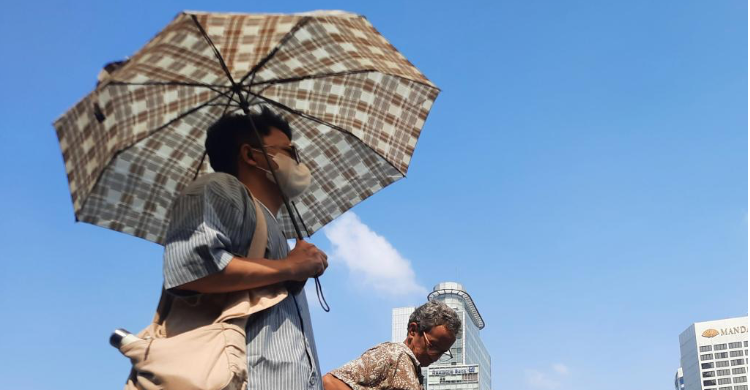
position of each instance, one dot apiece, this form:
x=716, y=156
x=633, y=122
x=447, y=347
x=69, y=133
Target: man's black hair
x=227, y=134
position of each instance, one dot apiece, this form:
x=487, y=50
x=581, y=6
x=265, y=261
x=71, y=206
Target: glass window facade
x=399, y=323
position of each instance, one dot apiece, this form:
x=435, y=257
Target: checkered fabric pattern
x=355, y=104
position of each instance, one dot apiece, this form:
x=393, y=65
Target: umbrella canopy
x=356, y=107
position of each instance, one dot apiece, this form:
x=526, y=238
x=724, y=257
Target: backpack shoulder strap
x=259, y=241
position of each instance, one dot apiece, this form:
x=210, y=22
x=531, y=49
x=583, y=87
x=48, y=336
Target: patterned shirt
x=387, y=366
x=212, y=221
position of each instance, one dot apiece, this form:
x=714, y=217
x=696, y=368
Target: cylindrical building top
x=448, y=286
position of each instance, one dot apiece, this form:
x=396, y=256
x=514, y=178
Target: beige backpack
x=199, y=342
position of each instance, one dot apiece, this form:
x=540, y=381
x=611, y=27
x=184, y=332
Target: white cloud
x=560, y=368
x=539, y=380
x=370, y=258
x=546, y=380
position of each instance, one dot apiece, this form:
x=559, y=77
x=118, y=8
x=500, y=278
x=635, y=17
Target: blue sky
x=583, y=174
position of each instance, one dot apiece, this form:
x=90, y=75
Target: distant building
x=469, y=369
x=713, y=355
x=400, y=321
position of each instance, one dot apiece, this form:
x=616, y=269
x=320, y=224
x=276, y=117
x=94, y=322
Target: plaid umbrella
x=355, y=104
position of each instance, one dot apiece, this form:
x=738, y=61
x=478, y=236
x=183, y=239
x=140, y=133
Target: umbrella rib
x=231, y=96
x=215, y=49
x=178, y=83
x=334, y=74
x=224, y=105
x=200, y=164
x=322, y=122
x=275, y=50
x=284, y=40
x=177, y=118
x=313, y=76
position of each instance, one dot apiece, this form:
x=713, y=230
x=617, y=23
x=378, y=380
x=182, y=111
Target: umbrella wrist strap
x=321, y=297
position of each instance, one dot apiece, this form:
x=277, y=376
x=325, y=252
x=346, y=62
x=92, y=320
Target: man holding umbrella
x=136, y=163
x=213, y=219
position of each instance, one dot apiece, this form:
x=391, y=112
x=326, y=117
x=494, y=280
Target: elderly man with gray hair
x=432, y=331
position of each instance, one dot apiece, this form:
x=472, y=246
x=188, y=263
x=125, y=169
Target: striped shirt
x=213, y=221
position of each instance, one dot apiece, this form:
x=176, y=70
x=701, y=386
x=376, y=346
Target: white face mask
x=293, y=178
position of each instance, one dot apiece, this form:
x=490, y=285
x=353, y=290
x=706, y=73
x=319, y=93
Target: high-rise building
x=713, y=355
x=400, y=323
x=469, y=368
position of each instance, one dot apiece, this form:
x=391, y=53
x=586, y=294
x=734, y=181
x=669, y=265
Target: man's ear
x=413, y=328
x=246, y=154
